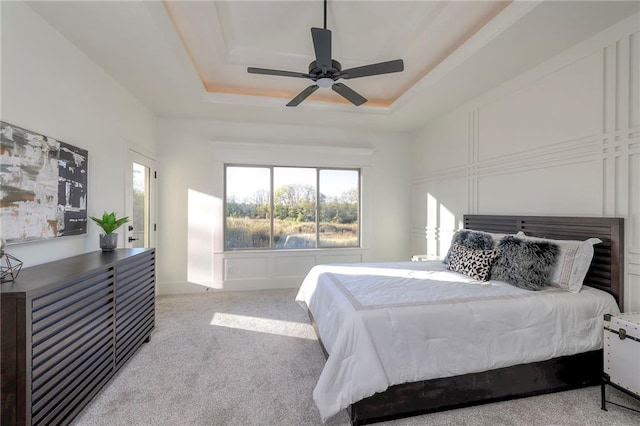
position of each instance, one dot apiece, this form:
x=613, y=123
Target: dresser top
x=41, y=276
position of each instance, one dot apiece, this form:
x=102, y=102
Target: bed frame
x=558, y=374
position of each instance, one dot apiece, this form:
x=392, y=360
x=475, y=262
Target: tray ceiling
x=223, y=38
x=188, y=59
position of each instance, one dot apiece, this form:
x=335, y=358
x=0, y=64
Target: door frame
x=137, y=157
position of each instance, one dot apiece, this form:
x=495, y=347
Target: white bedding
x=390, y=323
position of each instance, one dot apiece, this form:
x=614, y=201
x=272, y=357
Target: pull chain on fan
x=325, y=72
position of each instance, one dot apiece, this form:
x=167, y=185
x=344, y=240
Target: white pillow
x=573, y=261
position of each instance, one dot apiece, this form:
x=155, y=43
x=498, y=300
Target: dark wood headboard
x=607, y=266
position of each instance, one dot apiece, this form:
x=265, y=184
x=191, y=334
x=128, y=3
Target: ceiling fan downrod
x=325, y=14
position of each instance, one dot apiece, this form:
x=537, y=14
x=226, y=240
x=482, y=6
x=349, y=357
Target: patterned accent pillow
x=525, y=264
x=473, y=263
x=470, y=239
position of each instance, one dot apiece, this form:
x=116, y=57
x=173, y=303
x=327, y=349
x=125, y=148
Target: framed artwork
x=43, y=191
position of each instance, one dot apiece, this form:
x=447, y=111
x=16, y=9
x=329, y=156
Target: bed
x=403, y=382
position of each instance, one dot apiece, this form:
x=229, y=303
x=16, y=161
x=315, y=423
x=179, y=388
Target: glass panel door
x=139, y=206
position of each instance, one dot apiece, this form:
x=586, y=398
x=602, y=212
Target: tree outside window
x=291, y=207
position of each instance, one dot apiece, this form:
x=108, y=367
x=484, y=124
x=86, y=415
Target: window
x=269, y=207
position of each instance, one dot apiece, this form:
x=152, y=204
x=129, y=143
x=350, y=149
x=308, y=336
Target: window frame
x=271, y=207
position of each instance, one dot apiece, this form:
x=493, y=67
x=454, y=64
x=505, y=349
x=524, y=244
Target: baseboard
x=180, y=287
x=185, y=287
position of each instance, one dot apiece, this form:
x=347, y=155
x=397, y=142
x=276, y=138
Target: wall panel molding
x=605, y=156
x=556, y=154
x=258, y=270
x=633, y=261
x=444, y=174
x=473, y=170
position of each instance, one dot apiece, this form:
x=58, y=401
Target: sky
x=243, y=182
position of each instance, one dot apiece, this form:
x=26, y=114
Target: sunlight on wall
x=264, y=325
x=200, y=218
x=432, y=226
x=447, y=228
x=441, y=225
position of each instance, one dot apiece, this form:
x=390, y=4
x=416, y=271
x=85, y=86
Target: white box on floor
x=622, y=350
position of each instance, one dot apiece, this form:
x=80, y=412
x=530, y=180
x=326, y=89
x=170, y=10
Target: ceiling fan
x=325, y=72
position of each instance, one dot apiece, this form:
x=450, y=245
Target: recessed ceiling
x=223, y=38
x=188, y=59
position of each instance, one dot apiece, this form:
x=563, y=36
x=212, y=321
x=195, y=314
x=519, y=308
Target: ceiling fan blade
x=303, y=95
x=373, y=69
x=349, y=94
x=322, y=45
x=266, y=71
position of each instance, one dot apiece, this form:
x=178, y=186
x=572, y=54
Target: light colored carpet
x=251, y=358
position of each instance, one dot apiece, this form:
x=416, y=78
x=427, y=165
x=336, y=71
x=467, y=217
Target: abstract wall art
x=43, y=186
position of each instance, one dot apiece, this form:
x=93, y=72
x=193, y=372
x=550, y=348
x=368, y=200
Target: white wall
x=50, y=87
x=191, y=156
x=561, y=139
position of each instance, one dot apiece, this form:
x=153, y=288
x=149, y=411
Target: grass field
x=254, y=233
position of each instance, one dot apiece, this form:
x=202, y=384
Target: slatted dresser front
x=67, y=327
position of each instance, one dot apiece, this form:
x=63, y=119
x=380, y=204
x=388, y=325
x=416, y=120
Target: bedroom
x=533, y=130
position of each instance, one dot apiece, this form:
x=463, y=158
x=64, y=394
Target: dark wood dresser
x=67, y=327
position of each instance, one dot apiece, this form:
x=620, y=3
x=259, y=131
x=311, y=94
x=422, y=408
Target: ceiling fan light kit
x=325, y=72
x=324, y=82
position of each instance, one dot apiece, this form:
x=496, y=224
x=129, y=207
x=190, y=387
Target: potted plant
x=109, y=223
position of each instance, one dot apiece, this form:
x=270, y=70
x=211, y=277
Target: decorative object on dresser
x=9, y=265
x=67, y=327
x=621, y=368
x=109, y=223
x=44, y=186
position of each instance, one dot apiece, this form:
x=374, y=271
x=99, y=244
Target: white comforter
x=392, y=323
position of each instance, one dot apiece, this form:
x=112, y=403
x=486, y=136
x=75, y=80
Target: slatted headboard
x=606, y=271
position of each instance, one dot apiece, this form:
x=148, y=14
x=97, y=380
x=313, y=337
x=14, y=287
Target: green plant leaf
x=109, y=223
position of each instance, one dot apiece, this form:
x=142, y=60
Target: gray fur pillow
x=471, y=240
x=525, y=264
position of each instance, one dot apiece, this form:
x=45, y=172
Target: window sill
x=292, y=250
